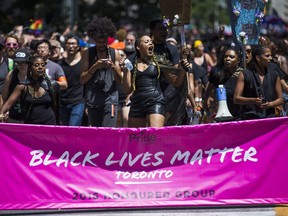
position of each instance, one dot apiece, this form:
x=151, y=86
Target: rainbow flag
x=36, y=27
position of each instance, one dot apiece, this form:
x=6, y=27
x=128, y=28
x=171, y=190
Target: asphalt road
x=239, y=211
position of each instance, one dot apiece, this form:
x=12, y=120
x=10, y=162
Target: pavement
x=200, y=211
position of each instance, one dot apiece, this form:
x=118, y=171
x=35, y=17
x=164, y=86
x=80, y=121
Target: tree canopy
x=138, y=13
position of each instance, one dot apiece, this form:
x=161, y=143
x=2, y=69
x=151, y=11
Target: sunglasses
x=11, y=45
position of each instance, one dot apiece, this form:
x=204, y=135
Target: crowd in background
x=82, y=79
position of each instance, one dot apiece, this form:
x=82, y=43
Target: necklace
x=146, y=60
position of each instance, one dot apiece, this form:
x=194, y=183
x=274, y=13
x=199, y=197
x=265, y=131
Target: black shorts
x=142, y=111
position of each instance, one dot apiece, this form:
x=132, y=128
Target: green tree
x=25, y=12
x=122, y=12
x=208, y=13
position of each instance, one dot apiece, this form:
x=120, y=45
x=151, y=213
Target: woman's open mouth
x=151, y=49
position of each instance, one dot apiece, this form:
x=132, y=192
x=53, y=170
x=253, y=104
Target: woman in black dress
x=147, y=102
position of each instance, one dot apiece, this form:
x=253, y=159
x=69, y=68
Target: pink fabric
x=51, y=167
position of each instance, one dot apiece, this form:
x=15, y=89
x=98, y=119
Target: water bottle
x=197, y=116
x=189, y=111
x=128, y=64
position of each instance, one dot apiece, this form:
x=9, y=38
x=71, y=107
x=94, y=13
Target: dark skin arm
x=87, y=72
x=11, y=101
x=239, y=99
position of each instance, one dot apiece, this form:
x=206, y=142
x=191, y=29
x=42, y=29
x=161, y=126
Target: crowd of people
x=58, y=81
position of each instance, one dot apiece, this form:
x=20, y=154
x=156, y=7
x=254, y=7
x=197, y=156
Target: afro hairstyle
x=101, y=28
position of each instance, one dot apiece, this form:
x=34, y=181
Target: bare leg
x=1, y=101
x=125, y=112
x=156, y=120
x=137, y=122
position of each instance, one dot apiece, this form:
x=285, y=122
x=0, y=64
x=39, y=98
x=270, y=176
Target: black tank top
x=38, y=110
x=101, y=89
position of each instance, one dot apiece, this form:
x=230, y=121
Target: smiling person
x=35, y=94
x=258, y=89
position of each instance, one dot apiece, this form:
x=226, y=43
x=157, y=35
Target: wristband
x=197, y=99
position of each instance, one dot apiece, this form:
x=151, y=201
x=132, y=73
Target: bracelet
x=197, y=99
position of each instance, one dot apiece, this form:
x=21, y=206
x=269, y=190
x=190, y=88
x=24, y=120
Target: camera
x=99, y=84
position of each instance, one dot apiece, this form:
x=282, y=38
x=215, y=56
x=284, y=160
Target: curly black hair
x=101, y=27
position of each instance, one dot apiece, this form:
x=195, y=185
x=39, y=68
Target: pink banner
x=52, y=167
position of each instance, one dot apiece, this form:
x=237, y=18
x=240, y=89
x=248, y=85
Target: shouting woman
x=147, y=101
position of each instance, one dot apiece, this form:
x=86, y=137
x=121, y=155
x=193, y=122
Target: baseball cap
x=22, y=55
x=55, y=43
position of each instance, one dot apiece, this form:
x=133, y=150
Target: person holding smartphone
x=100, y=72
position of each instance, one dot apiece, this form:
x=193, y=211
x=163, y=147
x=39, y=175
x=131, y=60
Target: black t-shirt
x=175, y=97
x=75, y=91
x=169, y=51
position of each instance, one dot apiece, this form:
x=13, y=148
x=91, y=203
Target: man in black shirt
x=168, y=56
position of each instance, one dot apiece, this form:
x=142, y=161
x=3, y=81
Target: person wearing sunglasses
x=11, y=46
x=248, y=50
